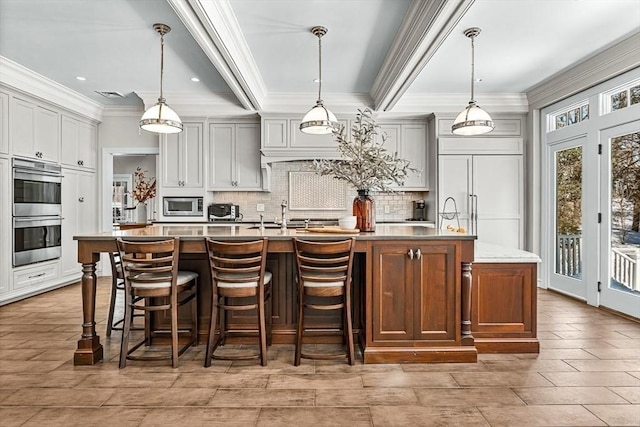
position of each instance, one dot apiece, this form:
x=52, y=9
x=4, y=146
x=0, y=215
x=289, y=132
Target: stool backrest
x=116, y=265
x=146, y=264
x=237, y=262
x=324, y=262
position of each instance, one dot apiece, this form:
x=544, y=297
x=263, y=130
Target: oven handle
x=28, y=175
x=25, y=222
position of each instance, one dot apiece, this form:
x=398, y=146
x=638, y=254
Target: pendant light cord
x=161, y=64
x=472, y=69
x=320, y=68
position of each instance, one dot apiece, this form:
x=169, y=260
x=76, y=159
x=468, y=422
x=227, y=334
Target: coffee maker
x=419, y=211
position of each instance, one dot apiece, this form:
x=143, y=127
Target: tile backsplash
x=399, y=204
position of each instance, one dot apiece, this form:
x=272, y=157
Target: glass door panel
x=620, y=204
x=567, y=218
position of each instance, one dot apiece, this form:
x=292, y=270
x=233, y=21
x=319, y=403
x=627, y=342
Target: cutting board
x=330, y=229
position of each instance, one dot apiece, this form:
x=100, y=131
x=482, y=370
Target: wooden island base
x=412, y=289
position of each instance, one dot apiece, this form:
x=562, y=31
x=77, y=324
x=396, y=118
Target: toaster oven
x=224, y=212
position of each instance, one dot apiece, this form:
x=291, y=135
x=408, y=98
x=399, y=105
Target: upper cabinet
x=234, y=157
x=35, y=130
x=282, y=140
x=79, y=143
x=4, y=123
x=182, y=157
x=409, y=140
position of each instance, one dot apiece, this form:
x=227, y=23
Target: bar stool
x=151, y=272
x=324, y=272
x=117, y=284
x=238, y=271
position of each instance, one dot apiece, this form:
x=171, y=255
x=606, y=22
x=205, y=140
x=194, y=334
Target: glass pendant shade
x=318, y=121
x=473, y=120
x=161, y=119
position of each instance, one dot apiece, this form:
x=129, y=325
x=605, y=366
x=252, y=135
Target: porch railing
x=625, y=267
x=569, y=254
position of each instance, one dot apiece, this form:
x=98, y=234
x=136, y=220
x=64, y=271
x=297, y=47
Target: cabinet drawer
x=35, y=275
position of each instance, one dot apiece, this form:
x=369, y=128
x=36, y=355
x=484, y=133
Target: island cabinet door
x=392, y=296
x=414, y=293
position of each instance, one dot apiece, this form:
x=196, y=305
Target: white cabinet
x=35, y=131
x=181, y=155
x=234, y=157
x=79, y=207
x=488, y=191
x=409, y=140
x=79, y=143
x=5, y=225
x=4, y=123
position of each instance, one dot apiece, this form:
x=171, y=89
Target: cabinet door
x=498, y=185
x=87, y=145
x=454, y=180
x=23, y=120
x=170, y=154
x=247, y=155
x=69, y=132
x=191, y=152
x=69, y=259
x=435, y=311
x=393, y=293
x=4, y=123
x=221, y=156
x=414, y=149
x=47, y=134
x=5, y=226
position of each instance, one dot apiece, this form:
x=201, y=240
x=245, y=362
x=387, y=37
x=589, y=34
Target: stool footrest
x=322, y=356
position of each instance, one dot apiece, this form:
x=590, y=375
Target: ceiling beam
x=425, y=26
x=214, y=26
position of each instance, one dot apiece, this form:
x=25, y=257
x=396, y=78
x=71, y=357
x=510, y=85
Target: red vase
x=365, y=212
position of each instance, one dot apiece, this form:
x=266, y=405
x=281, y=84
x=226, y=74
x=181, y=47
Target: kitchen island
x=412, y=287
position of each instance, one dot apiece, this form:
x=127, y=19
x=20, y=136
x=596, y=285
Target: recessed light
x=195, y=79
x=81, y=78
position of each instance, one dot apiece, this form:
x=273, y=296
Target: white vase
x=141, y=211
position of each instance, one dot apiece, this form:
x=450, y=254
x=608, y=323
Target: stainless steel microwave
x=224, y=212
x=182, y=206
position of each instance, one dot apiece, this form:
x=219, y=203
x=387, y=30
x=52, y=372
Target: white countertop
x=487, y=252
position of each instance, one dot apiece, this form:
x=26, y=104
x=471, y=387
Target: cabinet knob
x=81, y=199
x=410, y=253
x=418, y=254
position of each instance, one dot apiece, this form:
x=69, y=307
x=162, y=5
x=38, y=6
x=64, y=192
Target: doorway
x=620, y=228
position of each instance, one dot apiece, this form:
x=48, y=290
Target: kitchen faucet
x=283, y=205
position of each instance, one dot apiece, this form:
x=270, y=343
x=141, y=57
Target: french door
x=566, y=244
x=619, y=269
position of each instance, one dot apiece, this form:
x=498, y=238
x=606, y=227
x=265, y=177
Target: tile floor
x=587, y=374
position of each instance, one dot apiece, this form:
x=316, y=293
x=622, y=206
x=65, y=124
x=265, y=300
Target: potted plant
x=365, y=164
x=144, y=189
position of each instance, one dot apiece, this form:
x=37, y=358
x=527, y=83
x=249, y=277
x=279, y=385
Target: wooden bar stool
x=324, y=272
x=151, y=272
x=238, y=271
x=117, y=284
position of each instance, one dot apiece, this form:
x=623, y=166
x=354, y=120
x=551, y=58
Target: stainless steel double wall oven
x=37, y=211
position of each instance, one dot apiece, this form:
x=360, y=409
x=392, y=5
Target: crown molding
x=424, y=28
x=190, y=104
x=454, y=103
x=214, y=26
x=122, y=111
x=300, y=103
x=27, y=81
x=609, y=63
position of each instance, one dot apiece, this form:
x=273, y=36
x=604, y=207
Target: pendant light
x=161, y=118
x=319, y=120
x=473, y=120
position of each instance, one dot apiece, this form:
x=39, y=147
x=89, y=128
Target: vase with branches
x=144, y=188
x=365, y=164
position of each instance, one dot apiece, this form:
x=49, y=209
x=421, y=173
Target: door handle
x=418, y=254
x=410, y=253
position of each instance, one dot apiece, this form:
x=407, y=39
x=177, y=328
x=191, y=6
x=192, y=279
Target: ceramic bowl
x=347, y=222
